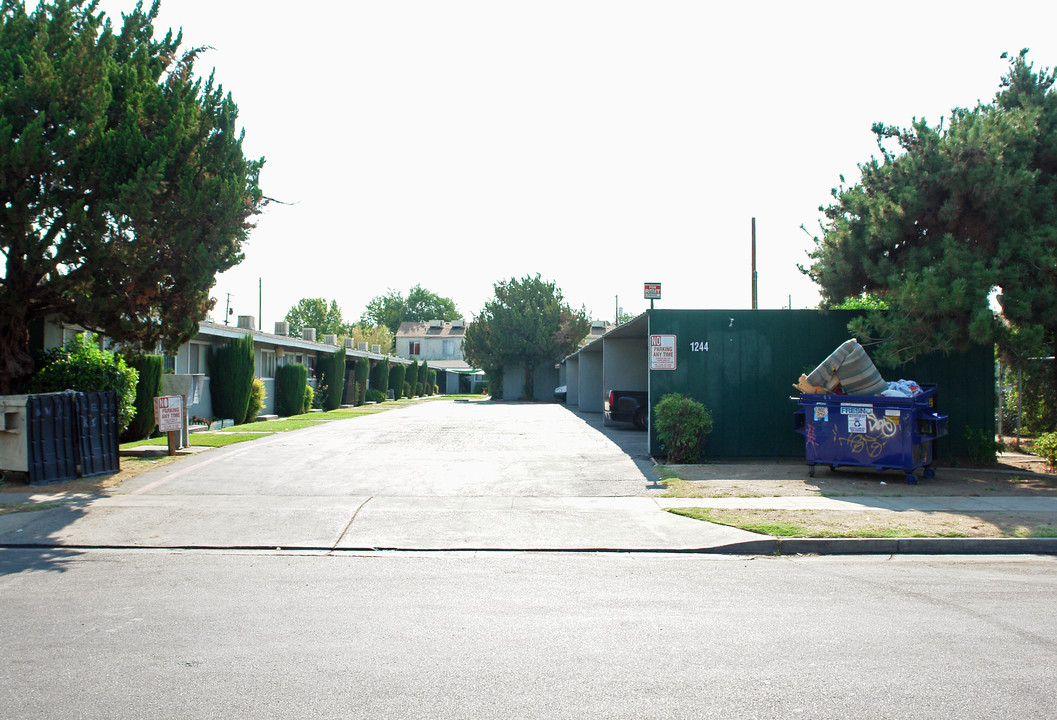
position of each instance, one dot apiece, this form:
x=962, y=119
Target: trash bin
x=97, y=434
x=51, y=437
x=54, y=437
x=884, y=433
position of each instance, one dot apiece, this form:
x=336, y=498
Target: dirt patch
x=782, y=479
x=130, y=468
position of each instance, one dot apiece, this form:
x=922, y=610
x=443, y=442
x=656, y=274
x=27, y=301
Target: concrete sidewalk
x=350, y=523
x=621, y=524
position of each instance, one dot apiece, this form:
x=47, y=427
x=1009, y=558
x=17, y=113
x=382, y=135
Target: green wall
x=753, y=357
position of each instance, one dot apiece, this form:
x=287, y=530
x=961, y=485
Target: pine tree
x=123, y=186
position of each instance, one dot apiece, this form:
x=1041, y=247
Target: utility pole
x=754, y=263
x=227, y=308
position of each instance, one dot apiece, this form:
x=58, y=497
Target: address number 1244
x=698, y=346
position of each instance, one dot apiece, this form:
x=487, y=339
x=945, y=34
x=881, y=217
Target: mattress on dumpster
x=850, y=367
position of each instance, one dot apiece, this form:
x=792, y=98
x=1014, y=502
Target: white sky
x=601, y=144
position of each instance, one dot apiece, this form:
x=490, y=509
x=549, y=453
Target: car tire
x=642, y=419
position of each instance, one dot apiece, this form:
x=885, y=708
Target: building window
x=266, y=369
x=169, y=363
x=414, y=348
x=449, y=348
x=196, y=358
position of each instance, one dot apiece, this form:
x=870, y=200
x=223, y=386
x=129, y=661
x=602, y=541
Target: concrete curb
x=764, y=546
x=916, y=546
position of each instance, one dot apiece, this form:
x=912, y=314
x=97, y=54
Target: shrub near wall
x=82, y=366
x=411, y=377
x=380, y=375
x=290, y=383
x=682, y=424
x=333, y=377
x=257, y=395
x=231, y=378
x=396, y=380
x=363, y=368
x=148, y=387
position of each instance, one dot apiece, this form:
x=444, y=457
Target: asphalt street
x=149, y=603
x=221, y=634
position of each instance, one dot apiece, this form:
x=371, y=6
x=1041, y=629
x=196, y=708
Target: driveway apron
x=430, y=476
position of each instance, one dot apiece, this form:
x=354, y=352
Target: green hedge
x=332, y=377
x=363, y=371
x=411, y=377
x=682, y=424
x=396, y=380
x=231, y=378
x=290, y=383
x=380, y=376
x=148, y=387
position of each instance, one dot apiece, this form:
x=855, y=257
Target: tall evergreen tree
x=123, y=186
x=527, y=323
x=231, y=378
x=949, y=218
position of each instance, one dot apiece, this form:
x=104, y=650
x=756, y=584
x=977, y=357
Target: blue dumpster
x=884, y=433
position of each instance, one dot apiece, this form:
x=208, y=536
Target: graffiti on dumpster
x=862, y=443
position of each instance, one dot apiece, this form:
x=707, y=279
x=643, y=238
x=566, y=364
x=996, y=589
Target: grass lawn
x=879, y=524
x=202, y=439
x=255, y=430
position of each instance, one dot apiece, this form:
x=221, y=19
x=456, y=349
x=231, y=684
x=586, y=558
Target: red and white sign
x=662, y=352
x=169, y=413
x=651, y=291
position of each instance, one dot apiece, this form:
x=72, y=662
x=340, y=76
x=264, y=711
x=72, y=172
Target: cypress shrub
x=383, y=384
x=431, y=382
x=420, y=389
x=332, y=376
x=423, y=377
x=377, y=381
x=363, y=368
x=396, y=380
x=411, y=376
x=148, y=387
x=375, y=396
x=257, y=395
x=231, y=378
x=290, y=383
x=308, y=398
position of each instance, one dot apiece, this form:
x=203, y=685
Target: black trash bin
x=54, y=437
x=51, y=435
x=97, y=433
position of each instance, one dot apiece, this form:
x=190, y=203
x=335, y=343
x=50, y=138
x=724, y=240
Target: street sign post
x=169, y=415
x=651, y=291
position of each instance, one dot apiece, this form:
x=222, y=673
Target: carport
x=615, y=361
